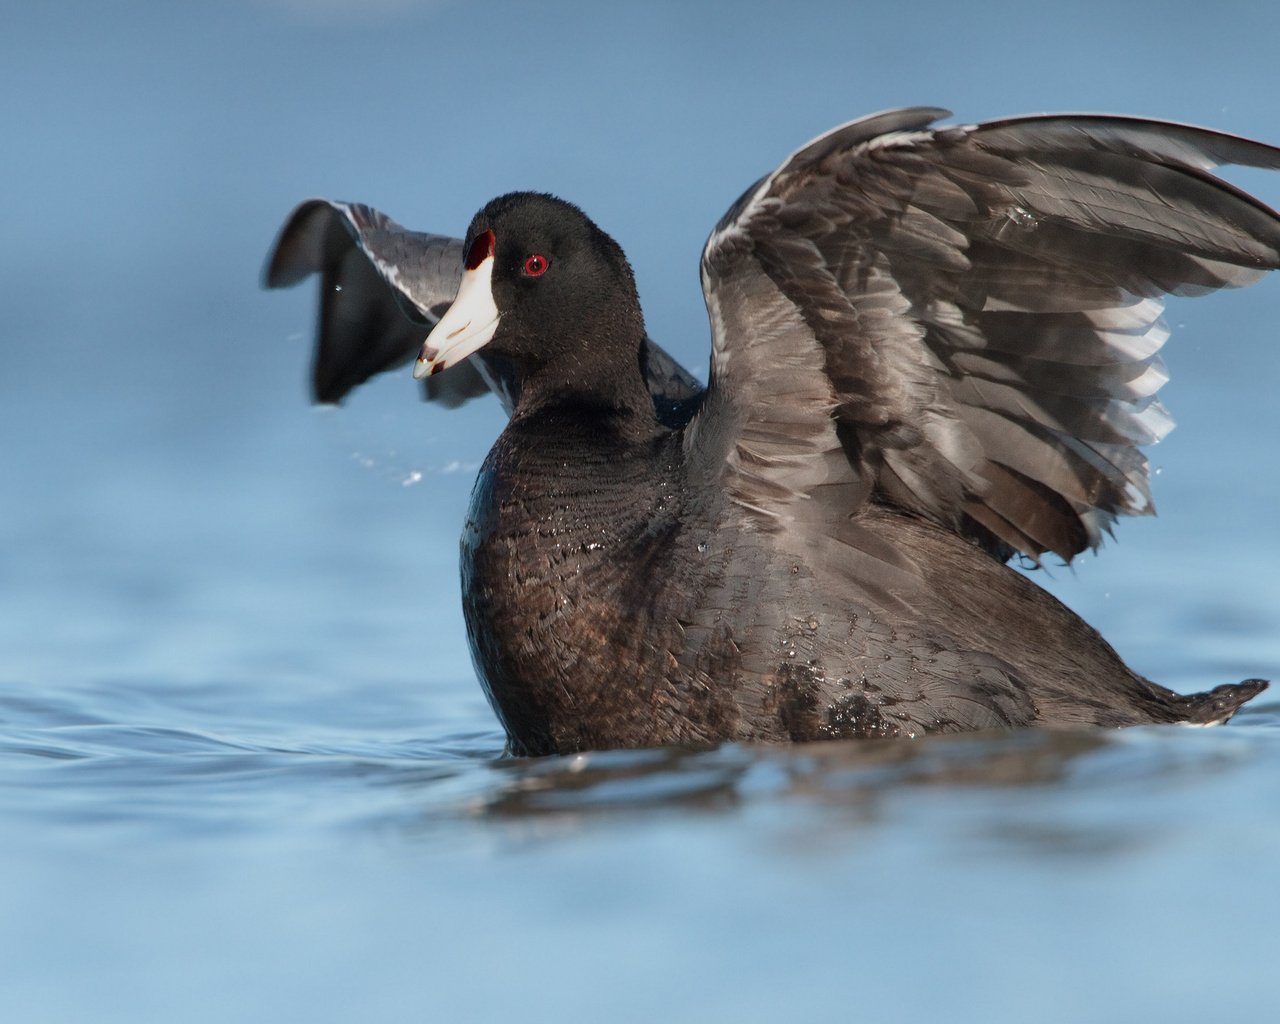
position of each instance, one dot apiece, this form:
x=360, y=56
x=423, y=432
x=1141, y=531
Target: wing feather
x=986, y=302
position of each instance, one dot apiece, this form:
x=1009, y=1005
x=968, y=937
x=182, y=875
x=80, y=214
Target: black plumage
x=932, y=348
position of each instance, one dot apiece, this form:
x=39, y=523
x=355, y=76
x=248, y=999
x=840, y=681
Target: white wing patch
x=972, y=312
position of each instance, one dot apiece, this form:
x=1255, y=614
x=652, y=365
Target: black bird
x=933, y=349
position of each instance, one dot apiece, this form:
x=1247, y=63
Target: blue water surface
x=246, y=772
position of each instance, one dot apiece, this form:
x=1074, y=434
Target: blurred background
x=245, y=768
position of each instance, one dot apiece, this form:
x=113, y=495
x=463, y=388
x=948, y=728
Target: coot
x=933, y=348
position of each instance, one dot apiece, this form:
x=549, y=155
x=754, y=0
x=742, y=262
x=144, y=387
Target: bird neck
x=599, y=387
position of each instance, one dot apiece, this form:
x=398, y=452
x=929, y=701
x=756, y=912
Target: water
x=291, y=862
x=246, y=772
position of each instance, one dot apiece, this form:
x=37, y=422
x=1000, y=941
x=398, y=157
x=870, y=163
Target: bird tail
x=1217, y=705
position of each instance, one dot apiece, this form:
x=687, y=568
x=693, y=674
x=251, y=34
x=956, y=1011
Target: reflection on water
x=224, y=825
x=840, y=773
x=121, y=755
x=1034, y=792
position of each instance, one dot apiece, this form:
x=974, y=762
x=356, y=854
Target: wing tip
x=297, y=251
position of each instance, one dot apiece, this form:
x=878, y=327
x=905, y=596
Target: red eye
x=536, y=265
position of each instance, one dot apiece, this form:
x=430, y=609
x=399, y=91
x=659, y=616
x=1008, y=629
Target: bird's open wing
x=382, y=289
x=964, y=322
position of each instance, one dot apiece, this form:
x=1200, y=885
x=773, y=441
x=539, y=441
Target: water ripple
x=1065, y=793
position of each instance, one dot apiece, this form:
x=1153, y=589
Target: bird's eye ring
x=536, y=265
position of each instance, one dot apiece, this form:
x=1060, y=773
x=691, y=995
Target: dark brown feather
x=987, y=301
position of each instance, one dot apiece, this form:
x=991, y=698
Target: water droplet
x=1022, y=217
x=702, y=548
